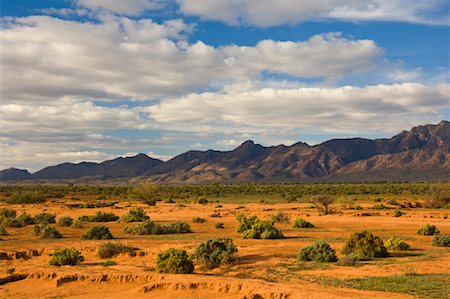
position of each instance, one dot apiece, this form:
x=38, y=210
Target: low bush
x=78, y=224
x=180, y=205
x=103, y=217
x=135, y=215
x=23, y=220
x=398, y=213
x=3, y=231
x=153, y=228
x=100, y=232
x=214, y=252
x=379, y=207
x=302, y=223
x=396, y=244
x=428, y=230
x=320, y=251
x=27, y=197
x=198, y=220
x=65, y=221
x=169, y=200
x=280, y=217
x=174, y=261
x=109, y=250
x=364, y=245
x=219, y=225
x=7, y=213
x=441, y=241
x=348, y=261
x=44, y=218
x=202, y=201
x=254, y=228
x=108, y=263
x=66, y=256
x=49, y=232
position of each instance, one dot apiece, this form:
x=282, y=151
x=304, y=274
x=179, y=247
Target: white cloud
x=265, y=13
x=387, y=108
x=46, y=59
x=120, y=7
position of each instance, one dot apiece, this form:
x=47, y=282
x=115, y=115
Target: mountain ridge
x=418, y=154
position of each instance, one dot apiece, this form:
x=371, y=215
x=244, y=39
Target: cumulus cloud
x=120, y=7
x=47, y=58
x=265, y=13
x=386, y=108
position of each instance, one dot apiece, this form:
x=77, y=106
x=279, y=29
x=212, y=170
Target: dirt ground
x=265, y=268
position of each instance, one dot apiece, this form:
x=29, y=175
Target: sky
x=91, y=80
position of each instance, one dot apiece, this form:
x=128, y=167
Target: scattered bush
x=439, y=197
x=27, y=197
x=398, y=213
x=108, y=263
x=78, y=224
x=153, y=228
x=302, y=223
x=66, y=256
x=7, y=213
x=215, y=252
x=320, y=251
x=98, y=233
x=169, y=200
x=364, y=245
x=49, y=232
x=396, y=244
x=198, y=220
x=44, y=218
x=109, y=250
x=65, y=221
x=322, y=203
x=202, y=201
x=379, y=207
x=23, y=220
x=180, y=205
x=219, y=225
x=428, y=230
x=441, y=241
x=136, y=215
x=174, y=261
x=254, y=228
x=147, y=193
x=103, y=217
x=280, y=217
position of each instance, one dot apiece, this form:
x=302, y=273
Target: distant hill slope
x=423, y=153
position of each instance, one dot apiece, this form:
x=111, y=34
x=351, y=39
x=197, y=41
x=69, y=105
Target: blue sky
x=89, y=80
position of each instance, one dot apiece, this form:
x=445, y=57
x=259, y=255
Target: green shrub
x=49, y=232
x=398, y=213
x=428, y=230
x=364, y=245
x=202, y=201
x=280, y=217
x=109, y=250
x=219, y=225
x=254, y=228
x=178, y=227
x=169, y=200
x=198, y=220
x=153, y=228
x=44, y=218
x=78, y=224
x=65, y=221
x=441, y=241
x=215, y=252
x=65, y=256
x=100, y=232
x=396, y=244
x=27, y=197
x=3, y=231
x=135, y=215
x=320, y=251
x=180, y=205
x=379, y=207
x=103, y=217
x=108, y=263
x=23, y=220
x=174, y=261
x=302, y=223
x=146, y=193
x=7, y=213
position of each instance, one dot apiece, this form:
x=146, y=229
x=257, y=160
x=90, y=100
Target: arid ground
x=264, y=268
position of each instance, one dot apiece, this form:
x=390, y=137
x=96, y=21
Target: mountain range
x=423, y=153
